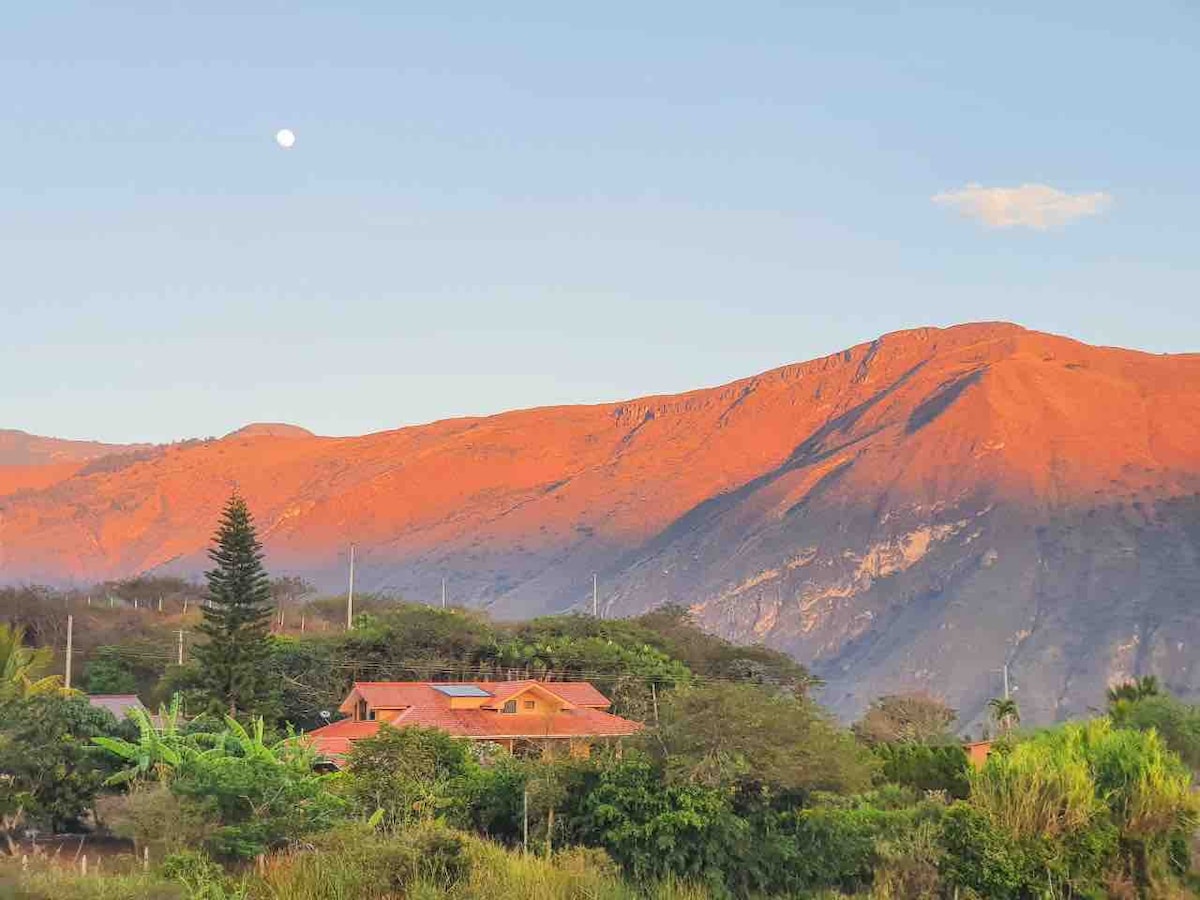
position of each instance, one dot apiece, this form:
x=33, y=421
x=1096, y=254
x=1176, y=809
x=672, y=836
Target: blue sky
x=493, y=206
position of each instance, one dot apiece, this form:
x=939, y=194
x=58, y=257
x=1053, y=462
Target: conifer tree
x=233, y=660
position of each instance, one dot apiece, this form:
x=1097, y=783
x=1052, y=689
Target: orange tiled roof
x=421, y=704
x=401, y=694
x=335, y=739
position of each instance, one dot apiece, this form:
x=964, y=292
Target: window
x=360, y=712
x=529, y=704
x=510, y=707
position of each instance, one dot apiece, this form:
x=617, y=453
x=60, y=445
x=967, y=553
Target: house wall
x=467, y=702
x=542, y=706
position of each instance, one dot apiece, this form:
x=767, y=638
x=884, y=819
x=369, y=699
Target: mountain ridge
x=913, y=511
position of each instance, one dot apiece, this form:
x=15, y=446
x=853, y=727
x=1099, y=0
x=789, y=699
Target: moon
x=285, y=138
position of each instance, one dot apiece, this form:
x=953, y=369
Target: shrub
x=355, y=862
x=411, y=774
x=152, y=816
x=927, y=768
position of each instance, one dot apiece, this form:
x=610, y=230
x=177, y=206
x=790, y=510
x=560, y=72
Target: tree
x=108, y=674
x=1137, y=689
x=233, y=663
x=22, y=669
x=1005, y=712
x=409, y=774
x=259, y=795
x=1177, y=723
x=915, y=718
x=743, y=734
x=52, y=771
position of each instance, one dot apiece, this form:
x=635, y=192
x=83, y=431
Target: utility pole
x=443, y=593
x=525, y=821
x=1006, y=681
x=350, y=594
x=179, y=648
x=595, y=596
x=70, y=648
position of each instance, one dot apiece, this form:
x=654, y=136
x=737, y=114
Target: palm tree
x=22, y=669
x=1005, y=712
x=1137, y=689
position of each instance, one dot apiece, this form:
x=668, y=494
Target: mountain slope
x=911, y=512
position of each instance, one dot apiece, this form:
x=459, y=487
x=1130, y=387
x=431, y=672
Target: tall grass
x=1040, y=787
x=432, y=863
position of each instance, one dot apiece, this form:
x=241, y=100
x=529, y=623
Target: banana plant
x=158, y=750
x=22, y=668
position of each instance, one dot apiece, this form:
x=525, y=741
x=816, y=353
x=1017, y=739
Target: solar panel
x=461, y=690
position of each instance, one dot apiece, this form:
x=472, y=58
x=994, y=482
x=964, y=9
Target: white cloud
x=1036, y=206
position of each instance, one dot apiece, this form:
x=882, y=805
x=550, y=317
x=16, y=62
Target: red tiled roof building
x=514, y=714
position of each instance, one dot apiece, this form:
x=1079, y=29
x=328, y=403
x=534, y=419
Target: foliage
x=107, y=673
x=49, y=880
x=1091, y=786
x=153, y=817
x=22, y=669
x=261, y=795
x=1177, y=723
x=157, y=750
x=672, y=629
x=1005, y=712
x=1137, y=689
x=410, y=774
x=938, y=768
x=906, y=718
x=1039, y=787
x=233, y=661
x=651, y=828
x=52, y=771
x=132, y=667
x=723, y=734
x=837, y=846
x=256, y=794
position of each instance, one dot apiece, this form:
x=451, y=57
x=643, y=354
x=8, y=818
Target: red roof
x=401, y=694
x=420, y=703
x=335, y=739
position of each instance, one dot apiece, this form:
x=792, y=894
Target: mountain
x=910, y=513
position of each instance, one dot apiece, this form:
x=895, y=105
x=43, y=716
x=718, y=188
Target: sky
x=493, y=206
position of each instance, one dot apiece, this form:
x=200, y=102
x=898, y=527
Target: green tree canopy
x=733, y=733
x=233, y=662
x=52, y=769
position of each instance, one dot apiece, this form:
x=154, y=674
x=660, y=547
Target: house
x=521, y=716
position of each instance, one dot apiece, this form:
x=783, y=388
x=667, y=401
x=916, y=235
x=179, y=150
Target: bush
x=926, y=768
x=411, y=774
x=53, y=771
x=152, y=816
x=355, y=862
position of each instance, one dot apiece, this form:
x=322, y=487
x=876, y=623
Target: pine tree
x=233, y=661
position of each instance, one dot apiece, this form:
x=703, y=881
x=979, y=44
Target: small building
x=117, y=704
x=978, y=752
x=521, y=716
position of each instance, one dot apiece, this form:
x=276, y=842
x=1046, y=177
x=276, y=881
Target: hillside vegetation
x=742, y=784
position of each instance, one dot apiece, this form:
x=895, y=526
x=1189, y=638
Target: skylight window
x=460, y=690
